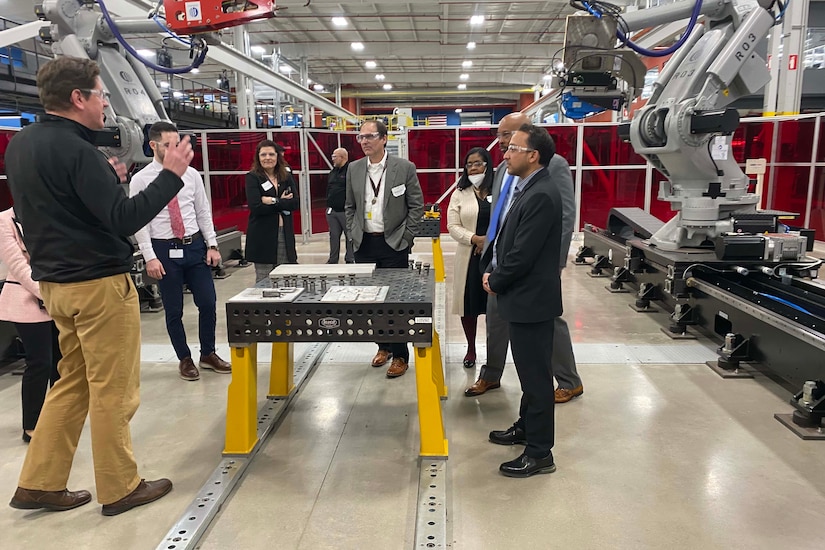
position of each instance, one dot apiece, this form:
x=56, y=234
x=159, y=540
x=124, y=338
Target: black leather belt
x=186, y=240
x=375, y=234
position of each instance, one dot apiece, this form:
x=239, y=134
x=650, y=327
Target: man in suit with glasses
x=564, y=361
x=384, y=205
x=523, y=274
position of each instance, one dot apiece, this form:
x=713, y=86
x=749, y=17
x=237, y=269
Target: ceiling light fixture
x=471, y=45
x=357, y=46
x=339, y=21
x=286, y=69
x=462, y=86
x=146, y=53
x=371, y=64
x=464, y=76
x=379, y=77
x=467, y=64
x=195, y=71
x=477, y=20
x=318, y=87
x=258, y=49
x=388, y=87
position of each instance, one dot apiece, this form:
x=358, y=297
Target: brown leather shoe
x=381, y=358
x=215, y=363
x=57, y=501
x=188, y=370
x=480, y=387
x=397, y=368
x=146, y=492
x=563, y=395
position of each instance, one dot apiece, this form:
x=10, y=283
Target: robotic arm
x=79, y=30
x=685, y=130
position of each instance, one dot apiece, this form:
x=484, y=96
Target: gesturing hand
x=177, y=159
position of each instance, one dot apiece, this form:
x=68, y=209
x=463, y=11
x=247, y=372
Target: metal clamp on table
x=333, y=305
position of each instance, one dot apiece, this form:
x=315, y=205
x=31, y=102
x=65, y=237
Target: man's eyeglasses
x=102, y=94
x=475, y=164
x=367, y=137
x=518, y=149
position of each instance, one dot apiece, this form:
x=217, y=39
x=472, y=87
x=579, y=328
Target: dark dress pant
x=42, y=355
x=532, y=345
x=374, y=249
x=192, y=271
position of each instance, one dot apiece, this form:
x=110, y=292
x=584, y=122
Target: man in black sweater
x=76, y=221
x=336, y=217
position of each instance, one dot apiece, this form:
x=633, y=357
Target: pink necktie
x=178, y=229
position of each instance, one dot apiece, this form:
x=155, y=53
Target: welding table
x=406, y=314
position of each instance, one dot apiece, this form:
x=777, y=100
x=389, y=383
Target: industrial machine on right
x=720, y=264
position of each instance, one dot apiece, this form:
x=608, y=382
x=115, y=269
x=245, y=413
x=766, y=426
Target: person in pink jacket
x=20, y=303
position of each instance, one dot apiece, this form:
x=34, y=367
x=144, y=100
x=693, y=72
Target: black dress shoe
x=514, y=435
x=469, y=363
x=525, y=466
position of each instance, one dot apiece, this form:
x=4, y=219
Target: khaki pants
x=99, y=324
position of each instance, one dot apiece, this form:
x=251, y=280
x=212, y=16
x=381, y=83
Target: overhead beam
x=230, y=57
x=14, y=35
x=447, y=78
x=414, y=50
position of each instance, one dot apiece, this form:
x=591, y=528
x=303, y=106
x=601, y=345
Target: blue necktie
x=502, y=198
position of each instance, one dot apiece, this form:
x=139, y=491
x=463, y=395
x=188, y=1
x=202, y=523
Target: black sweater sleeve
x=97, y=187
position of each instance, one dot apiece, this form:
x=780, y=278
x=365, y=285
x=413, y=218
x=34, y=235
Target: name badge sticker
x=399, y=190
x=267, y=186
x=176, y=253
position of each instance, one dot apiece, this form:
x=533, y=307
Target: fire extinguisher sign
x=792, y=62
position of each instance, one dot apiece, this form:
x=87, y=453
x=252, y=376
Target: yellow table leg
x=438, y=367
x=281, y=375
x=242, y=400
x=429, y=380
x=438, y=260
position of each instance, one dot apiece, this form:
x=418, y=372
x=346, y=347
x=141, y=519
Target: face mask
x=476, y=179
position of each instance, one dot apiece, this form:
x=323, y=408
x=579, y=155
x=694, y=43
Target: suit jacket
x=561, y=176
x=402, y=214
x=20, y=295
x=559, y=171
x=498, y=179
x=527, y=277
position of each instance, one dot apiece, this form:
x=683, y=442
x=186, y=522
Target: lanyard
x=376, y=188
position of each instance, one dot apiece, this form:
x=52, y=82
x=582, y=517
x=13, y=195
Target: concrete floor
x=659, y=452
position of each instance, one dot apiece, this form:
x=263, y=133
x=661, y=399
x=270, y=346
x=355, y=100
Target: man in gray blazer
x=564, y=362
x=384, y=204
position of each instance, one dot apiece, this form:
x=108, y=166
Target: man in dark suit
x=523, y=274
x=384, y=204
x=564, y=362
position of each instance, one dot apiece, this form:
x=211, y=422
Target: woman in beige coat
x=467, y=219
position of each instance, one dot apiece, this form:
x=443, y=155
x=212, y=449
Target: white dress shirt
x=194, y=208
x=379, y=176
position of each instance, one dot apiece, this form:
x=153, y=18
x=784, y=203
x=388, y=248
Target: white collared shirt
x=379, y=176
x=194, y=208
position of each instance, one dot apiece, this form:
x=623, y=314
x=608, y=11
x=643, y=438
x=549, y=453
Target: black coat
x=527, y=281
x=262, y=231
